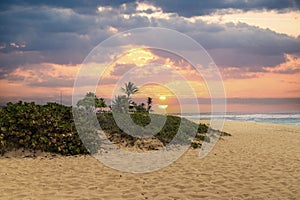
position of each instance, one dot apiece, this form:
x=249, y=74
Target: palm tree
x=129, y=89
x=120, y=104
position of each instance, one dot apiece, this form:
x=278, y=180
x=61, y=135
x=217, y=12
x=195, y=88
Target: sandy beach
x=259, y=161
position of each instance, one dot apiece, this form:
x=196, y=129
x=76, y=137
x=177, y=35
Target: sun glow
x=162, y=106
x=162, y=98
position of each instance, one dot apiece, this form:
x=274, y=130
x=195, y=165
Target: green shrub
x=195, y=145
x=47, y=127
x=51, y=128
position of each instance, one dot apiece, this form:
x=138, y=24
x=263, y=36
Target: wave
x=280, y=118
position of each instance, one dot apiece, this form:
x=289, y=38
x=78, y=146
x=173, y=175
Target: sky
x=255, y=45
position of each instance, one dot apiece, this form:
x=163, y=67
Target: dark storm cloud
x=84, y=7
x=50, y=34
x=184, y=8
x=47, y=35
x=44, y=28
x=246, y=38
x=237, y=44
x=199, y=7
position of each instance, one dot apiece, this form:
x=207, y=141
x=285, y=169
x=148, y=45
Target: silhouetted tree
x=129, y=89
x=149, y=104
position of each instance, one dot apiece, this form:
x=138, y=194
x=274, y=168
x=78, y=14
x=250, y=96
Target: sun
x=162, y=98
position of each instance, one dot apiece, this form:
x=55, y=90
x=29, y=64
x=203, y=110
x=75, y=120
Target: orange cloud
x=279, y=81
x=43, y=81
x=291, y=66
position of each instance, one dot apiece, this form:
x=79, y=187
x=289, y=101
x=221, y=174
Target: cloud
x=65, y=32
x=53, y=82
x=55, y=34
x=108, y=80
x=120, y=69
x=78, y=6
x=43, y=75
x=172, y=59
x=290, y=66
x=238, y=73
x=228, y=57
x=239, y=45
x=196, y=7
x=183, y=8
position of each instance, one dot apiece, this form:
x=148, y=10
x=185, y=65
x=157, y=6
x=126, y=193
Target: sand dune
x=259, y=161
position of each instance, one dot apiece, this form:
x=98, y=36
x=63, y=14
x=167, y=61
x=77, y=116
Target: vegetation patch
x=51, y=128
x=47, y=128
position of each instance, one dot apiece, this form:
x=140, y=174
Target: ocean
x=275, y=118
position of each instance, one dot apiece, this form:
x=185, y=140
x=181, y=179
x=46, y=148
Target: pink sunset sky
x=255, y=44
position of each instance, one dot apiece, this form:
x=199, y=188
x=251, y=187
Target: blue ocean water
x=276, y=118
